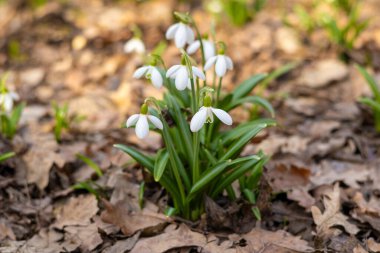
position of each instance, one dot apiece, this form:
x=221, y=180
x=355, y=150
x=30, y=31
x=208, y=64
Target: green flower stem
x=219, y=89
x=202, y=48
x=196, y=143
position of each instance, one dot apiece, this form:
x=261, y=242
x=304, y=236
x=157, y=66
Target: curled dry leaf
x=332, y=216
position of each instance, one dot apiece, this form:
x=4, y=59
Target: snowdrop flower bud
x=182, y=76
x=208, y=48
x=181, y=33
x=7, y=99
x=151, y=73
x=141, y=122
x=134, y=45
x=222, y=62
x=205, y=115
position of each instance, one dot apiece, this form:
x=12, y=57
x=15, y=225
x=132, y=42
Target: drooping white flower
x=140, y=121
x=181, y=33
x=7, y=100
x=222, y=63
x=208, y=48
x=206, y=115
x=134, y=45
x=151, y=73
x=182, y=76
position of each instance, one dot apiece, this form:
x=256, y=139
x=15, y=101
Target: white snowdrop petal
x=132, y=120
x=198, y=120
x=193, y=47
x=170, y=33
x=220, y=66
x=210, y=62
x=188, y=84
x=181, y=79
x=223, y=116
x=172, y=70
x=14, y=95
x=134, y=45
x=142, y=127
x=140, y=71
x=189, y=35
x=209, y=116
x=156, y=121
x=209, y=49
x=8, y=103
x=180, y=36
x=156, y=78
x=230, y=65
x=197, y=72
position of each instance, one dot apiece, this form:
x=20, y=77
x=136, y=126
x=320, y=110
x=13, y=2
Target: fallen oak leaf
x=332, y=216
x=373, y=246
x=259, y=240
x=76, y=211
x=131, y=221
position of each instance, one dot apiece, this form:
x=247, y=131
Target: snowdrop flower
x=134, y=45
x=181, y=33
x=205, y=115
x=222, y=63
x=151, y=73
x=7, y=100
x=140, y=121
x=208, y=48
x=182, y=77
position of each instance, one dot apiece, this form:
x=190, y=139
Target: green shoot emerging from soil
x=374, y=102
x=201, y=158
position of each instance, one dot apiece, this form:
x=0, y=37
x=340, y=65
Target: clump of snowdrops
x=201, y=153
x=9, y=114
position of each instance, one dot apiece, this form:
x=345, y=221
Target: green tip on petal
x=144, y=109
x=207, y=101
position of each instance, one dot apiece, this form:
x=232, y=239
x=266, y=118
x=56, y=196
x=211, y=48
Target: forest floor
x=320, y=190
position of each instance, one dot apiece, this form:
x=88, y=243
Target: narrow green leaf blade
x=91, y=164
x=160, y=164
x=247, y=86
x=6, y=156
x=144, y=160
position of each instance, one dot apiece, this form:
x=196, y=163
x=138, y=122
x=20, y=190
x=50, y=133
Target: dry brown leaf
x=87, y=237
x=373, y=245
x=41, y=157
x=367, y=211
x=332, y=216
x=323, y=73
x=6, y=231
x=123, y=245
x=171, y=238
x=131, y=221
x=76, y=211
x=359, y=249
x=259, y=240
x=329, y=172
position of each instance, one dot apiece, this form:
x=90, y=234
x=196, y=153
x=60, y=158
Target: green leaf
x=242, y=141
x=214, y=172
x=6, y=156
x=256, y=212
x=247, y=86
x=91, y=164
x=238, y=131
x=249, y=195
x=88, y=187
x=160, y=164
x=370, y=102
x=238, y=172
x=144, y=160
x=141, y=195
x=371, y=82
x=253, y=100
